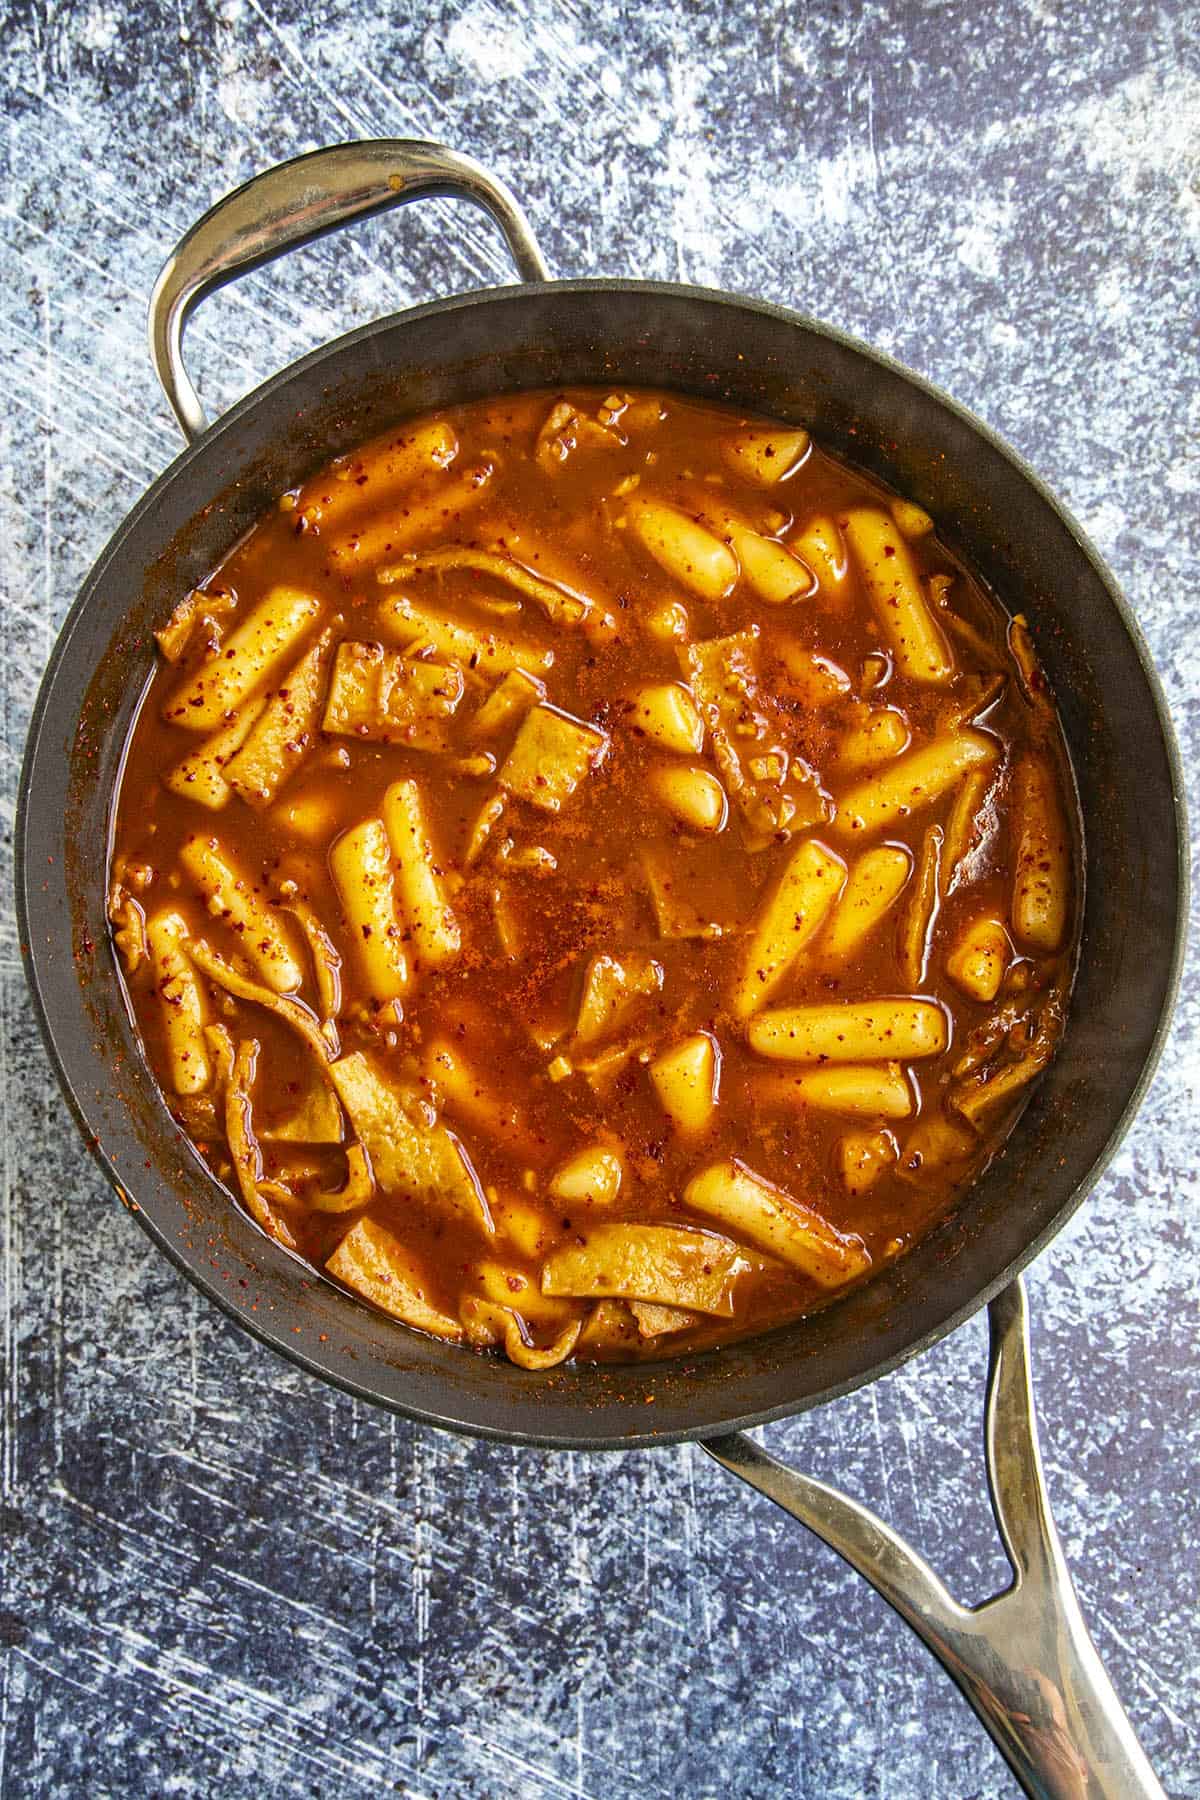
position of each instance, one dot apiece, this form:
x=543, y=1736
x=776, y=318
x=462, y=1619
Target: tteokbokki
x=594, y=875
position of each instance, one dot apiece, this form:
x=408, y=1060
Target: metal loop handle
x=1023, y=1659
x=298, y=201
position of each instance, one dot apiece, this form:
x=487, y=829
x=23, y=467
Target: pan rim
x=584, y=1438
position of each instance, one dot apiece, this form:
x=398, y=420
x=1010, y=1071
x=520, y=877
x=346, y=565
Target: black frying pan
x=1024, y=1659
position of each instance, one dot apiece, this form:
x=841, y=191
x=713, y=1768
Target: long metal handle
x=1023, y=1659
x=296, y=202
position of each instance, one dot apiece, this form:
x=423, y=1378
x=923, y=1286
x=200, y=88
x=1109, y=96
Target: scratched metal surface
x=221, y=1579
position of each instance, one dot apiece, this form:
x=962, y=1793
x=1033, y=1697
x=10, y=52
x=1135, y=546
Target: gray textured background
x=221, y=1579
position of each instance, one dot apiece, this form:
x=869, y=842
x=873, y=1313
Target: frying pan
x=1023, y=1658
